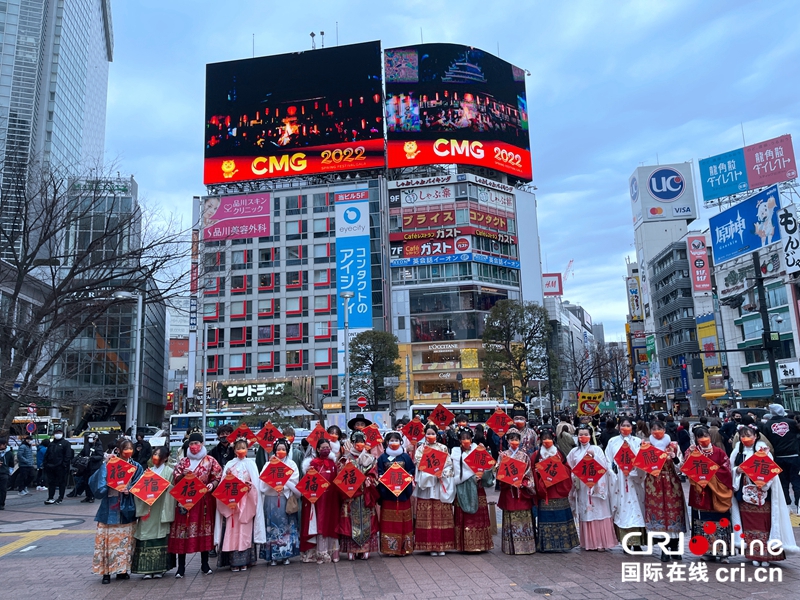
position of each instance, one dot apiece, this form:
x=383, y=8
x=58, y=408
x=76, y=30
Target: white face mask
x=58, y=436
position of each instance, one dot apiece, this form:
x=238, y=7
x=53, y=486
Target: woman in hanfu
x=237, y=530
x=471, y=514
x=592, y=504
x=556, y=531
x=627, y=491
x=358, y=522
x=193, y=530
x=150, y=557
x=396, y=521
x=761, y=514
x=711, y=505
x=116, y=520
x=519, y=530
x=319, y=540
x=434, y=530
x=282, y=529
x=664, y=502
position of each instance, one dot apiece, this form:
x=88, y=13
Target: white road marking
x=28, y=548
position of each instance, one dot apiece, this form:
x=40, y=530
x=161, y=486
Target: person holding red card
x=116, y=520
x=519, y=531
x=282, y=527
x=358, y=523
x=359, y=423
x=434, y=531
x=336, y=445
x=150, y=557
x=319, y=540
x=529, y=441
x=238, y=530
x=396, y=520
x=627, y=491
x=193, y=530
x=593, y=503
x=711, y=504
x=471, y=514
x=556, y=532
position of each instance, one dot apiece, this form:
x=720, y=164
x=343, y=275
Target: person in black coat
x=93, y=451
x=781, y=431
x=56, y=464
x=142, y=450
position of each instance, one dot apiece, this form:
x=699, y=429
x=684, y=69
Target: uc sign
x=666, y=184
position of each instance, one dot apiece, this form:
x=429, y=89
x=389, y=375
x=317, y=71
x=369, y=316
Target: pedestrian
x=57, y=462
x=593, y=504
x=518, y=534
x=41, y=479
x=642, y=430
x=142, y=450
x=6, y=468
x=91, y=456
x=396, y=521
x=471, y=510
x=359, y=423
x=116, y=520
x=761, y=513
x=26, y=465
x=358, y=521
x=782, y=433
x=627, y=491
x=336, y=444
x=529, y=441
x=237, y=531
x=664, y=502
x=711, y=505
x=223, y=451
x=150, y=557
x=460, y=422
x=281, y=512
x=193, y=530
x=556, y=532
x=716, y=436
x=609, y=432
x=319, y=540
x=434, y=530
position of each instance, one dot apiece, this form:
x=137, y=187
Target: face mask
x=705, y=442
x=156, y=461
x=241, y=452
x=281, y=454
x=625, y=430
x=513, y=444
x=431, y=439
x=127, y=453
x=325, y=452
x=394, y=444
x=519, y=423
x=659, y=435
x=359, y=446
x=749, y=442
x=359, y=426
x=194, y=447
x=290, y=438
x=466, y=443
x=547, y=443
x=583, y=439
x=58, y=436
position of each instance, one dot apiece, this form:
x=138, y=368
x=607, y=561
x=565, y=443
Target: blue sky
x=612, y=85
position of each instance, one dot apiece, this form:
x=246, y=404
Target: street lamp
x=132, y=414
x=346, y=297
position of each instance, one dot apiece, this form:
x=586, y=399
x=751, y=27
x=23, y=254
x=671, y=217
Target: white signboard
x=790, y=237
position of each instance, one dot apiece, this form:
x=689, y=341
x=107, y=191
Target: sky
x=613, y=85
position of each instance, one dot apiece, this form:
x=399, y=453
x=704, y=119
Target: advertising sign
x=432, y=218
x=732, y=280
x=447, y=103
x=235, y=217
x=712, y=366
x=747, y=226
x=432, y=247
x=634, y=299
x=452, y=233
x=353, y=266
x=552, y=285
x=698, y=263
x=748, y=168
x=790, y=232
x=294, y=114
x=662, y=193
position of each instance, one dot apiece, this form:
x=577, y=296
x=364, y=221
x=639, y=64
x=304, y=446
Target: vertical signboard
x=552, y=284
x=635, y=299
x=790, y=234
x=353, y=267
x=747, y=226
x=698, y=263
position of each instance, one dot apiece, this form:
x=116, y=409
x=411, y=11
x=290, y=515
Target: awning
x=713, y=395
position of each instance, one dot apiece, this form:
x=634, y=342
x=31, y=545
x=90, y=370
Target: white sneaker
x=41, y=488
x=22, y=493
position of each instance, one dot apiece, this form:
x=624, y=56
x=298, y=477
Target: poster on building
x=552, y=285
x=732, y=279
x=747, y=226
x=662, y=193
x=699, y=270
x=634, y=299
x=235, y=217
x=712, y=365
x=353, y=266
x=790, y=234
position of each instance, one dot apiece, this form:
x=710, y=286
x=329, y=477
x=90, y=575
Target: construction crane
x=569, y=270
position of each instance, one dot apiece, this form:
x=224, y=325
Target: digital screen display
x=447, y=103
x=294, y=114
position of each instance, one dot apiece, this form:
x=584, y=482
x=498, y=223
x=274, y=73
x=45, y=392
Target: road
x=46, y=551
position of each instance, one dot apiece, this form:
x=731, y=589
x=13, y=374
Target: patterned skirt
x=113, y=549
x=434, y=531
x=151, y=557
x=397, y=528
x=519, y=533
x=473, y=532
x=361, y=523
x=283, y=534
x=756, y=525
x=664, y=503
x=193, y=531
x=236, y=558
x=703, y=520
x=557, y=531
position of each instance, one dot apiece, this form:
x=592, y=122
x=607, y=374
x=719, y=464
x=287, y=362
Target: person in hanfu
x=528, y=440
x=664, y=502
x=360, y=423
x=193, y=530
x=434, y=531
x=238, y=530
x=150, y=558
x=471, y=514
x=519, y=531
x=627, y=491
x=762, y=514
x=711, y=505
x=556, y=531
x=358, y=523
x=336, y=445
x=282, y=528
x=319, y=539
x=592, y=504
x=396, y=520
x=116, y=519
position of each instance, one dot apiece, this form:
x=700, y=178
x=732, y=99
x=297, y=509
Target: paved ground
x=45, y=551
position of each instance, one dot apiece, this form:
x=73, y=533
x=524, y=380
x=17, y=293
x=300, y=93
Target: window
x=267, y=281
x=266, y=256
x=266, y=307
x=215, y=364
x=237, y=308
x=237, y=336
x=294, y=358
x=320, y=225
x=266, y=334
x=294, y=253
x=321, y=250
x=240, y=259
x=294, y=279
x=322, y=303
x=265, y=360
x=236, y=361
x=213, y=310
x=321, y=277
x=293, y=305
x=395, y=223
x=322, y=356
x=211, y=286
x=293, y=228
x=512, y=226
x=215, y=338
x=462, y=216
x=293, y=331
x=322, y=329
x=320, y=202
x=239, y=284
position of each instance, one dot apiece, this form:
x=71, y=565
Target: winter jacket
x=6, y=462
x=59, y=455
x=782, y=433
x=25, y=455
x=40, y=452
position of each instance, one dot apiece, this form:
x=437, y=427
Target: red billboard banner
x=436, y=247
x=236, y=217
x=495, y=155
x=770, y=161
x=434, y=218
x=450, y=233
x=698, y=263
x=552, y=284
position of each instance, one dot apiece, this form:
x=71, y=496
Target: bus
x=179, y=424
x=44, y=427
x=477, y=411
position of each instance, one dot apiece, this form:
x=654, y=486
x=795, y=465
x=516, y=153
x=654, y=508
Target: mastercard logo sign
x=656, y=211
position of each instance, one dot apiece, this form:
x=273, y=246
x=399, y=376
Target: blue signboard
x=353, y=265
x=454, y=258
x=747, y=226
x=723, y=175
x=684, y=375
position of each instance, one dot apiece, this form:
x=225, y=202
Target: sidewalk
x=47, y=551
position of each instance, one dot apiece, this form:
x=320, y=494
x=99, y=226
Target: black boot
x=181, y=566
x=204, y=568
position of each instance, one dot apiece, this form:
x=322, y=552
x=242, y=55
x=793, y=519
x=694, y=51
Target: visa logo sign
x=682, y=211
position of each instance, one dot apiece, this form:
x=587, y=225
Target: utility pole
x=550, y=382
x=767, y=337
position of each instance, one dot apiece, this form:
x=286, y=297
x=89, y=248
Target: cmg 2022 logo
x=666, y=184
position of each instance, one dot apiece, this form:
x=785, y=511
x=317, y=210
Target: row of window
x=268, y=334
x=674, y=295
x=665, y=262
x=454, y=272
x=242, y=310
x=672, y=278
x=270, y=361
x=270, y=282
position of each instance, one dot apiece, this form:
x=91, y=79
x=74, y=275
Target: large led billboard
x=447, y=103
x=294, y=114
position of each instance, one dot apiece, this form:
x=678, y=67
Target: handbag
x=467, y=495
x=292, y=505
x=80, y=464
x=752, y=495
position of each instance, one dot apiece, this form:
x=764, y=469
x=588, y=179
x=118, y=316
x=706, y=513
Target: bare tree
x=583, y=365
x=614, y=372
x=67, y=244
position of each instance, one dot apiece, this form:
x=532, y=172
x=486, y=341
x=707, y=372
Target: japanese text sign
x=243, y=431
x=747, y=226
x=350, y=479
x=414, y=430
x=699, y=468
x=313, y=485
x=189, y=491
x=429, y=219
x=441, y=416
x=432, y=461
x=790, y=232
x=276, y=473
x=479, y=461
x=650, y=459
x=373, y=435
x=119, y=473
x=499, y=422
x=267, y=437
x=396, y=479
x=699, y=268
x=760, y=468
x=589, y=471
x=552, y=471
x=236, y=217
x=231, y=490
x=149, y=487
x=624, y=458
x=511, y=471
x=353, y=262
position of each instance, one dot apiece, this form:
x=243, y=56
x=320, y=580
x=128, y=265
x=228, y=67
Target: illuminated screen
x=447, y=103
x=294, y=114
